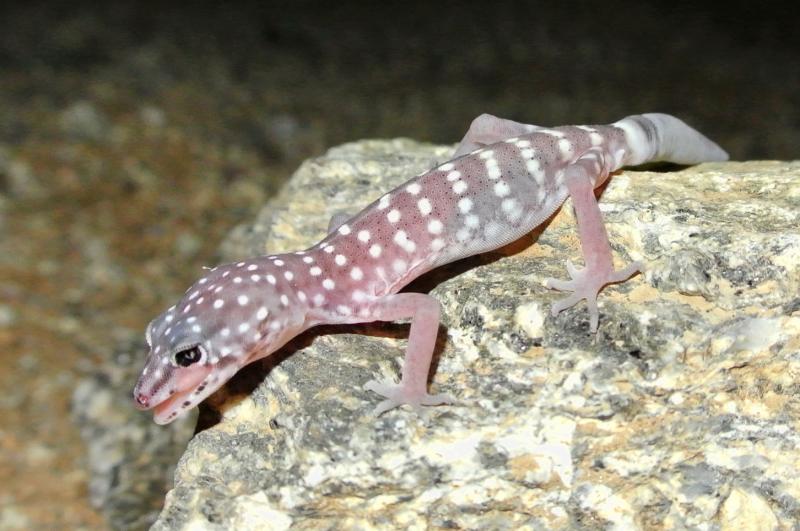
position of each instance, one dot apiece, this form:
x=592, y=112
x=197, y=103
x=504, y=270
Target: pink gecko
x=504, y=180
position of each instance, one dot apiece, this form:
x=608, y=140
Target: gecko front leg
x=412, y=389
x=599, y=271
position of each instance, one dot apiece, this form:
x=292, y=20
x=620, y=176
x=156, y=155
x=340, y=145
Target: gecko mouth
x=172, y=407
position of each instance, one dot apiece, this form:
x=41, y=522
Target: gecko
x=505, y=179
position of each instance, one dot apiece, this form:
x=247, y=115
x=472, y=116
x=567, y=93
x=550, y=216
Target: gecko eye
x=187, y=357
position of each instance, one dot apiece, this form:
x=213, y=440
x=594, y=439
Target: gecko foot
x=586, y=284
x=397, y=395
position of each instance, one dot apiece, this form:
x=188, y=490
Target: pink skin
x=586, y=283
x=185, y=387
x=186, y=379
x=181, y=382
x=506, y=179
x=412, y=389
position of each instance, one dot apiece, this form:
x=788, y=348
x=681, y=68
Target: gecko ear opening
x=189, y=356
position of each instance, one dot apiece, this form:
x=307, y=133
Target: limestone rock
x=681, y=411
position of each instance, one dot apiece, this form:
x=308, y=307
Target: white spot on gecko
x=460, y=187
x=401, y=239
x=501, y=189
x=492, y=169
x=565, y=147
x=424, y=206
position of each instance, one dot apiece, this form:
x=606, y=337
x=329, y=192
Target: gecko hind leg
x=586, y=283
x=488, y=129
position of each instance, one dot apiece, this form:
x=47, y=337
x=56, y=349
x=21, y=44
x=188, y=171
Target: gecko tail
x=662, y=137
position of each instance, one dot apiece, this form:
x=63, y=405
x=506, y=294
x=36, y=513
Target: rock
x=745, y=511
x=130, y=458
x=679, y=412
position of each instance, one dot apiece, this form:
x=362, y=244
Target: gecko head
x=227, y=319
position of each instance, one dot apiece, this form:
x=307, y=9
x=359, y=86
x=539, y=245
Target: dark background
x=134, y=135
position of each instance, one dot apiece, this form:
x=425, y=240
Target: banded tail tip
x=662, y=137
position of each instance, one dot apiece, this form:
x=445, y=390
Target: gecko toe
x=396, y=395
x=383, y=407
x=557, y=284
x=567, y=302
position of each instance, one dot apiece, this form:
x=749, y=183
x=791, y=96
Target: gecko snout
x=141, y=400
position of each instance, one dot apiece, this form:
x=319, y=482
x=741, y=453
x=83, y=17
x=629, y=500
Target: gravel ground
x=133, y=136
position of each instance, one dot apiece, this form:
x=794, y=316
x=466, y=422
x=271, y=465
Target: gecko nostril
x=142, y=400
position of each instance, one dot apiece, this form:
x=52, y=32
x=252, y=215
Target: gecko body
x=506, y=178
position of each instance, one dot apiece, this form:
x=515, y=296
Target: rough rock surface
x=682, y=412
